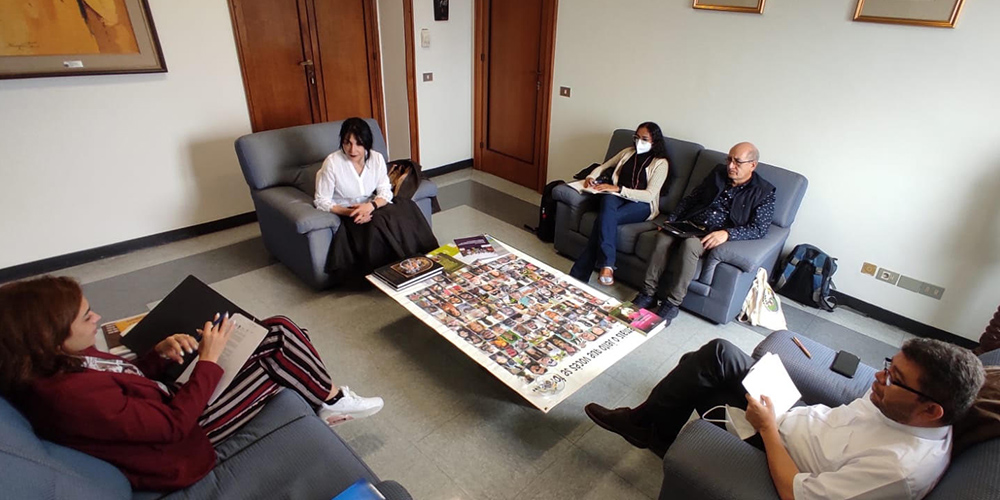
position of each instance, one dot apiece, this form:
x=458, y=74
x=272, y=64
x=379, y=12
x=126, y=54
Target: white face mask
x=642, y=147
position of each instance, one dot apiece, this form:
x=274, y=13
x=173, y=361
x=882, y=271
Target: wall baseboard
x=56, y=263
x=906, y=324
x=449, y=168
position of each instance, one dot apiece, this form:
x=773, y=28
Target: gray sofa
x=286, y=451
x=724, y=274
x=280, y=167
x=706, y=462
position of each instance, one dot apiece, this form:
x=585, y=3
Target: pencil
x=804, y=350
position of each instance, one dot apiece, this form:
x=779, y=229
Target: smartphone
x=845, y=364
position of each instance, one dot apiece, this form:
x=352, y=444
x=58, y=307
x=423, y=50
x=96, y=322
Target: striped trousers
x=285, y=358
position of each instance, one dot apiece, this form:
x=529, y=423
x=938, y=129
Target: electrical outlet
x=428, y=77
x=564, y=91
x=868, y=268
x=887, y=276
x=932, y=291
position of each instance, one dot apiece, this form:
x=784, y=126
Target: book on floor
x=185, y=310
x=115, y=330
x=408, y=271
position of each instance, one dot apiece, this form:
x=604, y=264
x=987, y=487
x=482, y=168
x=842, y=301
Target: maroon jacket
x=128, y=420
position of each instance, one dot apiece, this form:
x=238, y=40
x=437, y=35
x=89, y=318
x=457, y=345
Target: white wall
x=444, y=106
x=895, y=126
x=94, y=160
x=393, y=50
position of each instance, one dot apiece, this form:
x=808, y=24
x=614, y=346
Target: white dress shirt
x=854, y=451
x=338, y=183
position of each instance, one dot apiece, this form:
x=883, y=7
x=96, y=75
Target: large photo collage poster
x=539, y=332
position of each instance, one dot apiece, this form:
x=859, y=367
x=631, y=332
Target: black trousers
x=396, y=231
x=711, y=376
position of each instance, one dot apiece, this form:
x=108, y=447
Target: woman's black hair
x=362, y=133
x=659, y=149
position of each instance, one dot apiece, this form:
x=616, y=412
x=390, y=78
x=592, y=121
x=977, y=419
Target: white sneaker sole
x=344, y=417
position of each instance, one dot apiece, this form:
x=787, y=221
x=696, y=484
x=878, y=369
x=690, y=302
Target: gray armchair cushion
x=297, y=208
x=747, y=255
x=305, y=179
x=706, y=462
x=426, y=189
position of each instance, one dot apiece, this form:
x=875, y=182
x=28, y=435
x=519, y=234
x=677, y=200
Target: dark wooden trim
x=238, y=36
x=449, y=168
x=479, y=81
x=411, y=80
x=53, y=264
x=309, y=38
x=906, y=324
x=374, y=61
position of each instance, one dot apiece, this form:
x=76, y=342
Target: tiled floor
x=449, y=430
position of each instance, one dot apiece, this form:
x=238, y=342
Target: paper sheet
x=246, y=336
x=769, y=377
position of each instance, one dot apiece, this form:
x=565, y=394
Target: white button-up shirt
x=854, y=451
x=338, y=183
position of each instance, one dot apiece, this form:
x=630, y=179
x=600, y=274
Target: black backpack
x=546, y=230
x=807, y=277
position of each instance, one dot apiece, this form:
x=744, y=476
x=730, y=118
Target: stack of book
x=408, y=272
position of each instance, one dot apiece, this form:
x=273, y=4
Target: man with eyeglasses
x=894, y=442
x=732, y=203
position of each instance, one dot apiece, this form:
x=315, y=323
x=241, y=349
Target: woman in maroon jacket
x=161, y=437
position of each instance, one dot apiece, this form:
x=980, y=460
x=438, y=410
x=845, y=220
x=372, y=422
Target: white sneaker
x=349, y=407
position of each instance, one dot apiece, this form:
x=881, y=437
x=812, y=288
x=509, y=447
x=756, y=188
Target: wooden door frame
x=411, y=81
x=543, y=116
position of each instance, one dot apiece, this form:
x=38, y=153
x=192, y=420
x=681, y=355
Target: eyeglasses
x=890, y=382
x=636, y=137
x=737, y=161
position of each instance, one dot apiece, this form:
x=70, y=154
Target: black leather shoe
x=643, y=301
x=619, y=421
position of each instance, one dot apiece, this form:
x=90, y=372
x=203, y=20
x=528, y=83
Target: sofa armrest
x=812, y=376
x=706, y=462
x=577, y=203
x=748, y=255
x=296, y=207
x=426, y=189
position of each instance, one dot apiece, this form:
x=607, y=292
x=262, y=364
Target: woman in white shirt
x=375, y=229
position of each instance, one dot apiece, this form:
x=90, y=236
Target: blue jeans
x=603, y=241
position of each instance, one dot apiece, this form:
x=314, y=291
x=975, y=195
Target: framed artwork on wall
x=752, y=6
x=440, y=10
x=936, y=13
x=77, y=37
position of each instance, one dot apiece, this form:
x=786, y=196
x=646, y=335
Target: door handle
x=307, y=62
x=310, y=71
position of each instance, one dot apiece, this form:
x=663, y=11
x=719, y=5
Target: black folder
x=185, y=309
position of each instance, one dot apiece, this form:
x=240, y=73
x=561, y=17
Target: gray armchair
x=280, y=167
x=724, y=274
x=706, y=462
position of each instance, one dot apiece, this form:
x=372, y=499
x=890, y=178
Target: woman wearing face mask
x=633, y=195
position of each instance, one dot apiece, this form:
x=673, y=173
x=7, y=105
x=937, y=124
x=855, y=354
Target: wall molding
x=58, y=262
x=449, y=168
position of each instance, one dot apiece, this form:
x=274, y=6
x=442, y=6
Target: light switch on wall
x=425, y=38
x=428, y=77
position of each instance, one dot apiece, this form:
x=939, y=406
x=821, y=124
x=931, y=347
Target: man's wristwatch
x=374, y=206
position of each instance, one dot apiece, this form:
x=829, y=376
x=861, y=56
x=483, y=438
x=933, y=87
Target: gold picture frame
x=934, y=13
x=749, y=6
x=79, y=37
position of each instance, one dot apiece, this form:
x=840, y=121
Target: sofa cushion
x=305, y=178
x=682, y=156
x=627, y=233
x=275, y=157
x=297, y=208
x=48, y=470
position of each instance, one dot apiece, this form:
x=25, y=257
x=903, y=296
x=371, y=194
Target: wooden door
x=274, y=58
x=308, y=61
x=514, y=41
x=348, y=65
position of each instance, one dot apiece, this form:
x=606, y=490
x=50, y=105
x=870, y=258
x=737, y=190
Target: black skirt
x=396, y=231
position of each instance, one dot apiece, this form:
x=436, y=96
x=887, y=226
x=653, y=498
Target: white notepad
x=245, y=338
x=770, y=378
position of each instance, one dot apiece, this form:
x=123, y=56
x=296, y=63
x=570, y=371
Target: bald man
x=732, y=203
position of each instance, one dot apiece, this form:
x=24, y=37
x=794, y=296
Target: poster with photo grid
x=534, y=328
